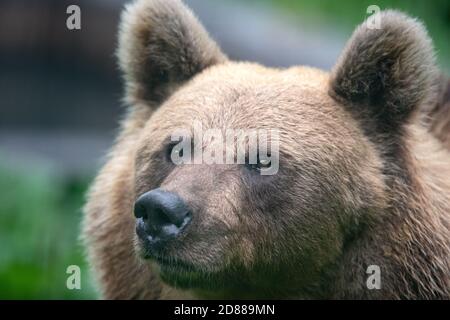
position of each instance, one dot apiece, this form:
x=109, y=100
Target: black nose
x=161, y=215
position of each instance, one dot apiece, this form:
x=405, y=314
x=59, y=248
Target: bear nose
x=161, y=215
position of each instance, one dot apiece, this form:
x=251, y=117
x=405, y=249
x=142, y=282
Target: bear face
x=346, y=170
x=244, y=222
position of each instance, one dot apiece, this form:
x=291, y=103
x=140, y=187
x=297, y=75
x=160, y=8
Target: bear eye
x=261, y=164
x=174, y=149
x=264, y=163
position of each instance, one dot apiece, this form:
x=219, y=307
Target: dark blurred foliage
x=54, y=77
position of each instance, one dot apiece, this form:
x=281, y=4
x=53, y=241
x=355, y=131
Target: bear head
x=225, y=226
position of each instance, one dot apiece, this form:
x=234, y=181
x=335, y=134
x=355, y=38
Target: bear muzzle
x=161, y=217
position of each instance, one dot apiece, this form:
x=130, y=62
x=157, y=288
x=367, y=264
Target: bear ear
x=385, y=73
x=162, y=45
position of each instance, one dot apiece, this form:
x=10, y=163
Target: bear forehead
x=248, y=95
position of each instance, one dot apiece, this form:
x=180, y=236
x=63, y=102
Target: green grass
x=39, y=227
x=345, y=15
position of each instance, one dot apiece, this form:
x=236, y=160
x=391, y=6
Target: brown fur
x=438, y=117
x=390, y=69
x=178, y=45
x=361, y=181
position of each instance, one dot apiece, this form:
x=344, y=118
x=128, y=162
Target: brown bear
x=362, y=189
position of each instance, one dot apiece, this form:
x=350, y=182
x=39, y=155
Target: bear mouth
x=181, y=274
x=166, y=262
x=174, y=265
x=178, y=272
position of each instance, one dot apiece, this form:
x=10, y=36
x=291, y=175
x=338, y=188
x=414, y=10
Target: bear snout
x=161, y=216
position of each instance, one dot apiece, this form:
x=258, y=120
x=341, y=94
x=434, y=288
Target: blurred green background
x=39, y=224
x=346, y=14
x=61, y=94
